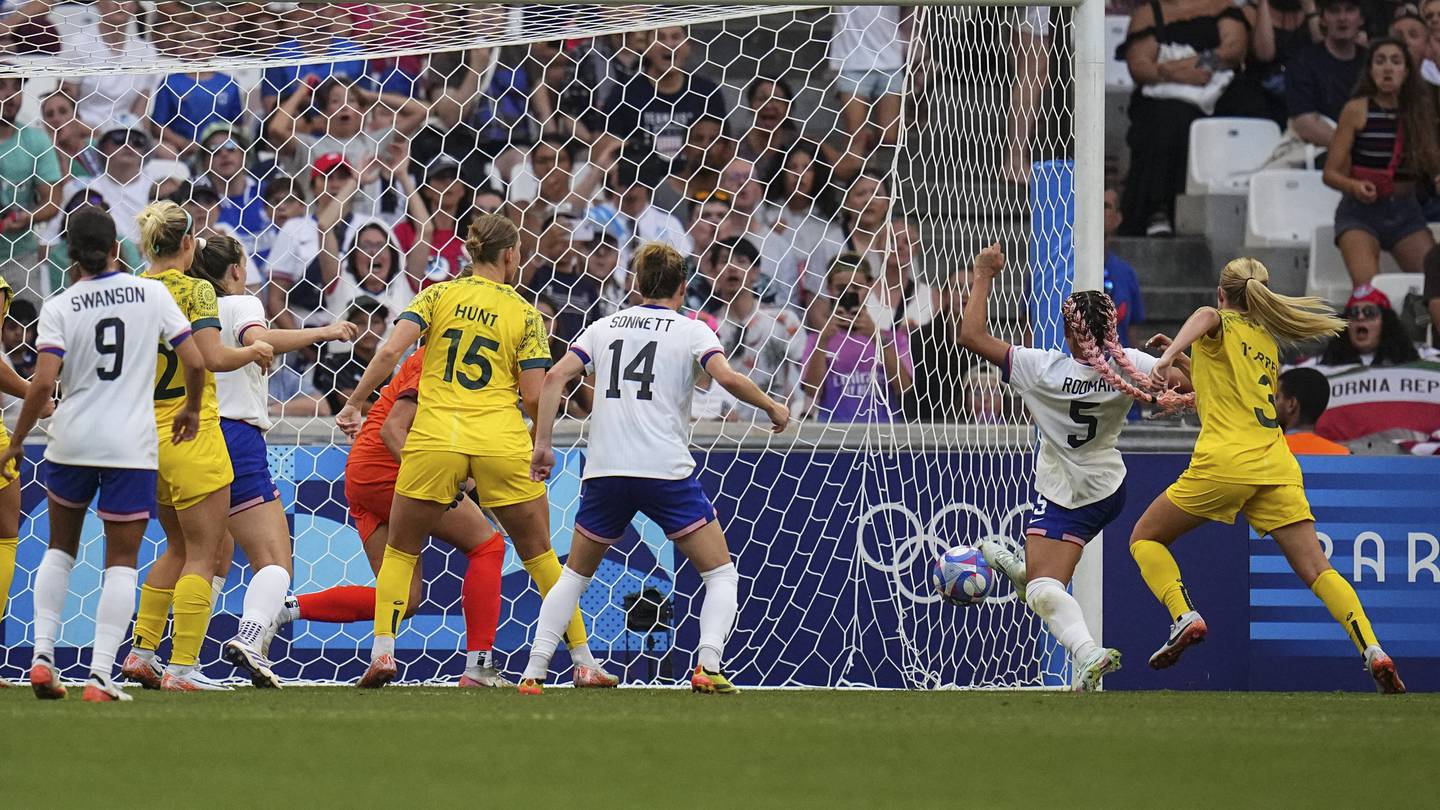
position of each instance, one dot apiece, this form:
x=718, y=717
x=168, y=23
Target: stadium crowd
x=351, y=184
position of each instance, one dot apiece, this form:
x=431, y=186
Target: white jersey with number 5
x=241, y=393
x=1079, y=417
x=105, y=329
x=644, y=360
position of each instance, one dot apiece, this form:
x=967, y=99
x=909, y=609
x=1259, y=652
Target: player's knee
x=1041, y=594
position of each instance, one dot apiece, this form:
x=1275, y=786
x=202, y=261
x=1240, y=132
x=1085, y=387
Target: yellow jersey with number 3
x=197, y=302
x=1235, y=374
x=479, y=336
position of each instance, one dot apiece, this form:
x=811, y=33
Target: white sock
x=291, y=613
x=555, y=613
x=112, y=618
x=717, y=613
x=382, y=645
x=580, y=655
x=476, y=660
x=52, y=586
x=1062, y=614
x=264, y=599
x=217, y=586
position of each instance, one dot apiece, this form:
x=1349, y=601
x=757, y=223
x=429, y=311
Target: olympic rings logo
x=926, y=537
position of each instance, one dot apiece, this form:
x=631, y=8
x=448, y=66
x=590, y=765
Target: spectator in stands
x=906, y=302
x=371, y=264
x=576, y=75
x=1320, y=77
x=747, y=198
x=868, y=50
x=773, y=131
x=804, y=239
x=341, y=365
x=186, y=103
x=1031, y=47
x=853, y=371
x=316, y=30
x=941, y=364
x=340, y=118
x=763, y=341
x=1409, y=28
x=1280, y=29
x=71, y=138
x=291, y=249
x=1385, y=147
x=865, y=213
x=1302, y=395
x=711, y=223
x=643, y=221
x=1160, y=120
x=1374, y=337
x=984, y=400
x=448, y=201
x=1121, y=282
x=561, y=276
x=1431, y=291
x=648, y=118
x=578, y=393
x=695, y=174
x=30, y=179
x=122, y=146
x=18, y=336
x=223, y=154
x=103, y=96
x=602, y=262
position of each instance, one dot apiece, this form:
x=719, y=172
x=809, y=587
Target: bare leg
x=1361, y=252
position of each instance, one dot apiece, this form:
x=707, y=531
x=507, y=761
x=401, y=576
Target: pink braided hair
x=1167, y=399
x=1092, y=355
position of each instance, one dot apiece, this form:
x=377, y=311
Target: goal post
x=829, y=173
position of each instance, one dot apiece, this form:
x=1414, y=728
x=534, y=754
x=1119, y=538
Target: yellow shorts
x=191, y=471
x=1267, y=507
x=438, y=476
x=12, y=469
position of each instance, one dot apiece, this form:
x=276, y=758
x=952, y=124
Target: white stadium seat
x=1225, y=152
x=1117, y=73
x=1286, y=206
x=1398, y=285
x=1328, y=278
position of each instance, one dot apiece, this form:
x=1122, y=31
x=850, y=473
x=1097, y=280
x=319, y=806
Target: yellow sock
x=392, y=590
x=545, y=570
x=8, y=545
x=192, y=618
x=150, y=618
x=1161, y=573
x=1339, y=596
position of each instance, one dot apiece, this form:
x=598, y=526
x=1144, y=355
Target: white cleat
x=1088, y=675
x=178, y=679
x=593, y=678
x=485, y=678
x=251, y=662
x=1003, y=560
x=1187, y=631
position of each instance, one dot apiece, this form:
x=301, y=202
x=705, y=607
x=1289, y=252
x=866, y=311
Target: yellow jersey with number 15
x=196, y=299
x=479, y=336
x=1235, y=374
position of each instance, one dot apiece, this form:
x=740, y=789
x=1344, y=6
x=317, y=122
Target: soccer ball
x=962, y=577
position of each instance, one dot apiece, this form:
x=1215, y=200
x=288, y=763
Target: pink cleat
x=148, y=674
x=382, y=671
x=46, y=682
x=593, y=678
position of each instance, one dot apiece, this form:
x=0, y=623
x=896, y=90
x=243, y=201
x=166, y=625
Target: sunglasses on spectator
x=227, y=145
x=1363, y=312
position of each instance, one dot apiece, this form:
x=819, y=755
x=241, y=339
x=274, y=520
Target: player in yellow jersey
x=487, y=349
x=14, y=385
x=193, y=494
x=1241, y=464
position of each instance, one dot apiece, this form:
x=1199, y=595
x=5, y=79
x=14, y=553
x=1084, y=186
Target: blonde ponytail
x=163, y=228
x=1288, y=319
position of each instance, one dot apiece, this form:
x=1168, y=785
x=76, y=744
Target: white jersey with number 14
x=105, y=330
x=645, y=360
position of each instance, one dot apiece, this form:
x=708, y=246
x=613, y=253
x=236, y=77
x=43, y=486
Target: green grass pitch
x=434, y=747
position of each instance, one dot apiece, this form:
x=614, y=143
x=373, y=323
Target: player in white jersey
x=645, y=360
x=98, y=337
x=1078, y=402
x=257, y=518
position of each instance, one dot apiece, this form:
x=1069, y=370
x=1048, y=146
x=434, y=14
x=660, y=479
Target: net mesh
x=829, y=174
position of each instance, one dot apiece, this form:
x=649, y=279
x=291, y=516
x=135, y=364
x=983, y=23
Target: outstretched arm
x=289, y=340
x=1205, y=322
x=974, y=327
x=746, y=390
x=402, y=336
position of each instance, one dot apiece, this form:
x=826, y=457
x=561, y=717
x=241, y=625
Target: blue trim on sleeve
x=538, y=362
x=705, y=358
x=205, y=323
x=180, y=338
x=580, y=353
x=55, y=350
x=1005, y=367
x=414, y=318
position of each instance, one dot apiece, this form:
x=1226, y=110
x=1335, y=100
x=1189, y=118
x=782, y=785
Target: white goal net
x=829, y=172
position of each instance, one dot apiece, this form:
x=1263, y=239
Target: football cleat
x=706, y=682
x=97, y=692
x=1087, y=676
x=4, y=684
x=46, y=681
x=1188, y=630
x=382, y=671
x=1382, y=668
x=193, y=680
x=531, y=686
x=593, y=678
x=485, y=678
x=148, y=673
x=1003, y=560
x=251, y=662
